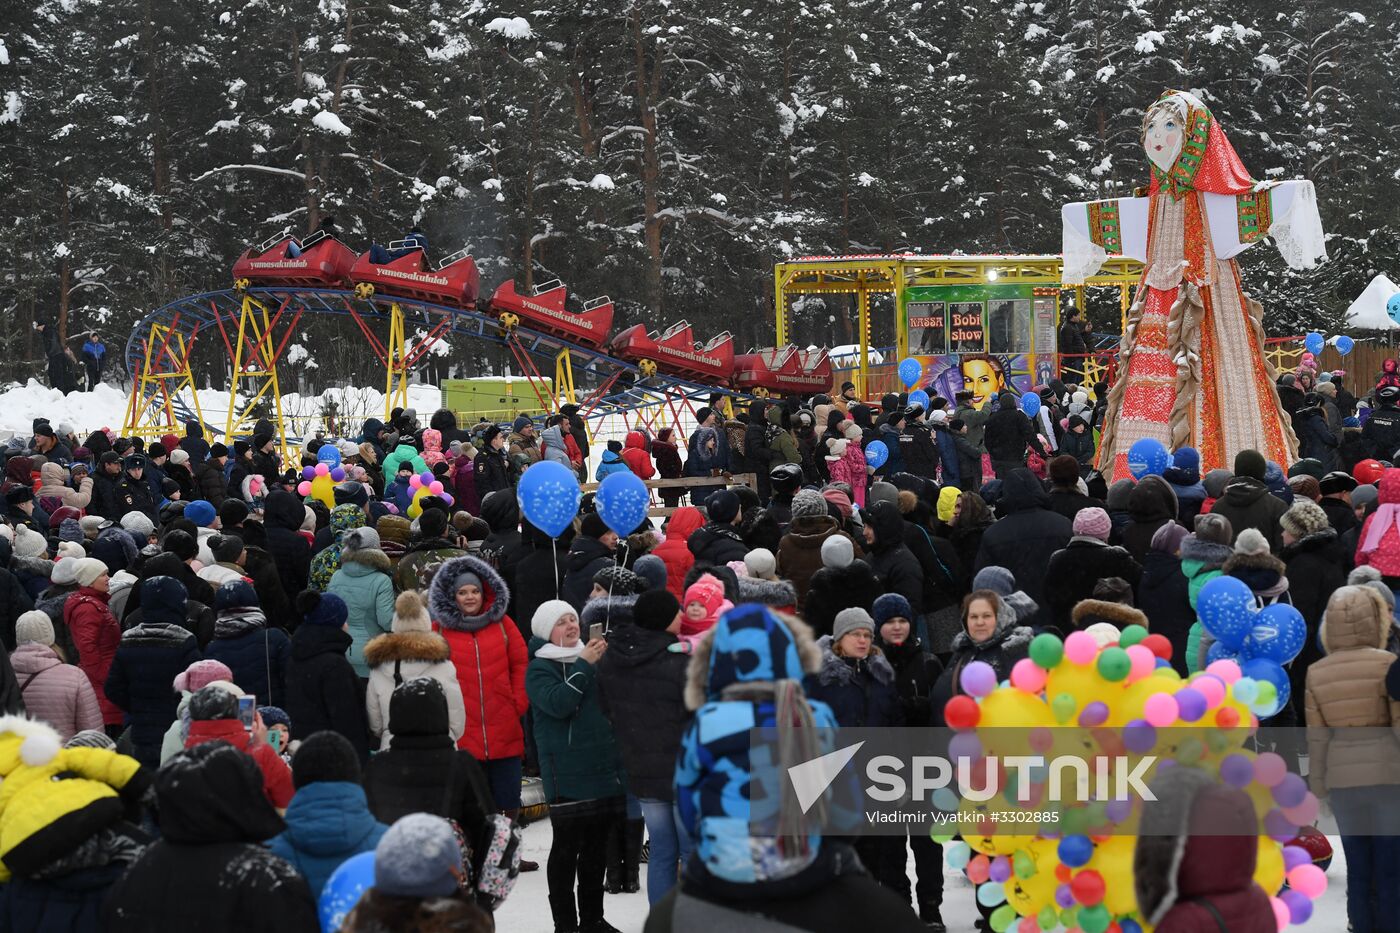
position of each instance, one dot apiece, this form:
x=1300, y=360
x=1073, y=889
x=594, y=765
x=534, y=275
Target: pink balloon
x=1281, y=913
x=1270, y=769
x=1160, y=710
x=322, y=469
x=1305, y=814
x=308, y=472
x=1227, y=671
x=1080, y=647
x=414, y=482
x=1028, y=676
x=1143, y=660
x=1210, y=687
x=1028, y=925
x=435, y=487
x=338, y=474
x=1308, y=880
x=303, y=488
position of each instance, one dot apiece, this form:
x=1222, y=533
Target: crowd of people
x=263, y=686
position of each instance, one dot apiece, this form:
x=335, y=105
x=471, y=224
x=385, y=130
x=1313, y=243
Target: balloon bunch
x=1261, y=641
x=1314, y=342
x=425, y=484
x=319, y=482
x=1077, y=873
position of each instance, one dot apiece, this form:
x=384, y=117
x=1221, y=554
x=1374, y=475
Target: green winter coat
x=784, y=444
x=364, y=583
x=402, y=452
x=578, y=754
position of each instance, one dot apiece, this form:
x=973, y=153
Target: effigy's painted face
x=1163, y=136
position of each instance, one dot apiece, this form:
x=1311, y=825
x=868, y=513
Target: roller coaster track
x=619, y=386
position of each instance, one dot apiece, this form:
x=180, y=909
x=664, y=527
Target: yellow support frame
x=254, y=346
x=142, y=407
x=395, y=396
x=892, y=275
x=564, y=378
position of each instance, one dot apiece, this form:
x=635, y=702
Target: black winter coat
x=1070, y=501
x=915, y=673
x=14, y=602
x=1025, y=539
x=1074, y=569
x=323, y=691
x=71, y=903
x=1316, y=568
x=918, y=450
x=536, y=578
x=258, y=658
x=1247, y=503
x=1341, y=515
x=1008, y=433
x=891, y=559
x=1008, y=644
x=586, y=557
x=641, y=688
x=282, y=517
x=859, y=692
x=1151, y=504
x=832, y=589
x=717, y=544
x=491, y=471
x=210, y=480
x=1163, y=593
x=939, y=563
x=148, y=659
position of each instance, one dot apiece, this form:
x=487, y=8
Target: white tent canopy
x=1367, y=312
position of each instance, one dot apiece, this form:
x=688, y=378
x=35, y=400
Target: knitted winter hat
x=34, y=626
x=1250, y=463
x=87, y=570
x=325, y=756
x=1364, y=495
x=418, y=857
x=213, y=701
x=997, y=579
x=1215, y=482
x=1308, y=466
x=839, y=499
x=1168, y=538
x=91, y=738
x=881, y=492
x=201, y=674
x=619, y=581
x=851, y=620
x=1094, y=522
x=236, y=594
x=360, y=539
x=320, y=608
x=722, y=506
x=1306, y=487
x=808, y=503
x=891, y=606
x=29, y=543
x=1252, y=541
x=274, y=716
x=655, y=610
x=837, y=552
x=836, y=448
x=226, y=548
x=1214, y=529
x=708, y=591
x=411, y=613
x=1187, y=458
x=1118, y=495
x=548, y=615
x=64, y=572
x=652, y=570
x=1303, y=518
x=201, y=512
x=179, y=456
x=140, y=523
x=761, y=564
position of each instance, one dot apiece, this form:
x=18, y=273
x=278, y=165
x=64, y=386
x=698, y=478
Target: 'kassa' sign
x=967, y=326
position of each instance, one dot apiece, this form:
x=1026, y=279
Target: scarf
x=1380, y=524
x=553, y=652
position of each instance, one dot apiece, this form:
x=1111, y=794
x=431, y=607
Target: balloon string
x=554, y=549
x=612, y=578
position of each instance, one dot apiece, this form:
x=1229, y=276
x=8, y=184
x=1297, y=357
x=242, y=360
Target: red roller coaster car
x=545, y=310
x=455, y=282
x=324, y=262
x=783, y=371
x=676, y=352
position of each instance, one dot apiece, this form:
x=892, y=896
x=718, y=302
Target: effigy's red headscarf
x=1207, y=162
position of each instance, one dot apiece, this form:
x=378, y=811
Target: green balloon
x=941, y=838
x=1217, y=740
x=1004, y=916
x=1023, y=865
x=1047, y=650
x=1075, y=821
x=1114, y=664
x=1131, y=636
x=1190, y=751
x=1069, y=916
x=1047, y=918
x=1094, y=919
x=1062, y=706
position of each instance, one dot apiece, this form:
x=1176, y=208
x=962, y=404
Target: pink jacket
x=57, y=693
x=432, y=448
x=851, y=469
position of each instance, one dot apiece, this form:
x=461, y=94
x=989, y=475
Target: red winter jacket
x=277, y=777
x=1385, y=557
x=675, y=550
x=634, y=454
x=490, y=657
x=95, y=634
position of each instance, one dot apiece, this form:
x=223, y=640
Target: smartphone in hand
x=247, y=712
x=595, y=631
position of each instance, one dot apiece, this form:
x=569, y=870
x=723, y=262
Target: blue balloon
x=919, y=397
x=1278, y=634
x=622, y=502
x=1260, y=669
x=329, y=454
x=1030, y=404
x=1075, y=851
x=1345, y=345
x=549, y=495
x=876, y=453
x=1148, y=457
x=1218, y=652
x=1314, y=342
x=910, y=372
x=1392, y=307
x=343, y=888
x=1226, y=608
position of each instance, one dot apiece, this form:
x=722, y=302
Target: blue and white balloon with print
x=549, y=495
x=622, y=502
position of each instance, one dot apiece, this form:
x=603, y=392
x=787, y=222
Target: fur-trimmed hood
x=775, y=645
x=442, y=601
x=34, y=566
x=1240, y=560
x=1356, y=617
x=429, y=647
x=1088, y=611
x=775, y=593
x=614, y=610
x=371, y=557
x=1009, y=633
x=838, y=670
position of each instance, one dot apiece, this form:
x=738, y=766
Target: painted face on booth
x=566, y=632
x=1163, y=138
x=469, y=600
x=981, y=378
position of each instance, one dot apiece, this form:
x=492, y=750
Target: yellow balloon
x=1113, y=859
x=1268, y=869
x=415, y=508
x=323, y=490
x=972, y=816
x=1081, y=681
x=1029, y=896
x=1134, y=699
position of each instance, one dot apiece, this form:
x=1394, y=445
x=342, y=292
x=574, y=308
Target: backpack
x=500, y=861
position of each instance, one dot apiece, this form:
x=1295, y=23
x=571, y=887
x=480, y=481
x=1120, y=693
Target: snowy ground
x=527, y=910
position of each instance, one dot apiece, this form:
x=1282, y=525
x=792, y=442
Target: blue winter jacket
x=610, y=463
x=400, y=493
x=257, y=655
x=327, y=823
x=947, y=455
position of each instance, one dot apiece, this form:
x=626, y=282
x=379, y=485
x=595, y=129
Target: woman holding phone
x=579, y=763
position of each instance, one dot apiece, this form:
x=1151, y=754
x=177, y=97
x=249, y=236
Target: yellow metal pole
x=270, y=371
x=901, y=316
x=863, y=313
x=780, y=304
x=233, y=418
x=189, y=380
x=563, y=379
x=395, y=361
